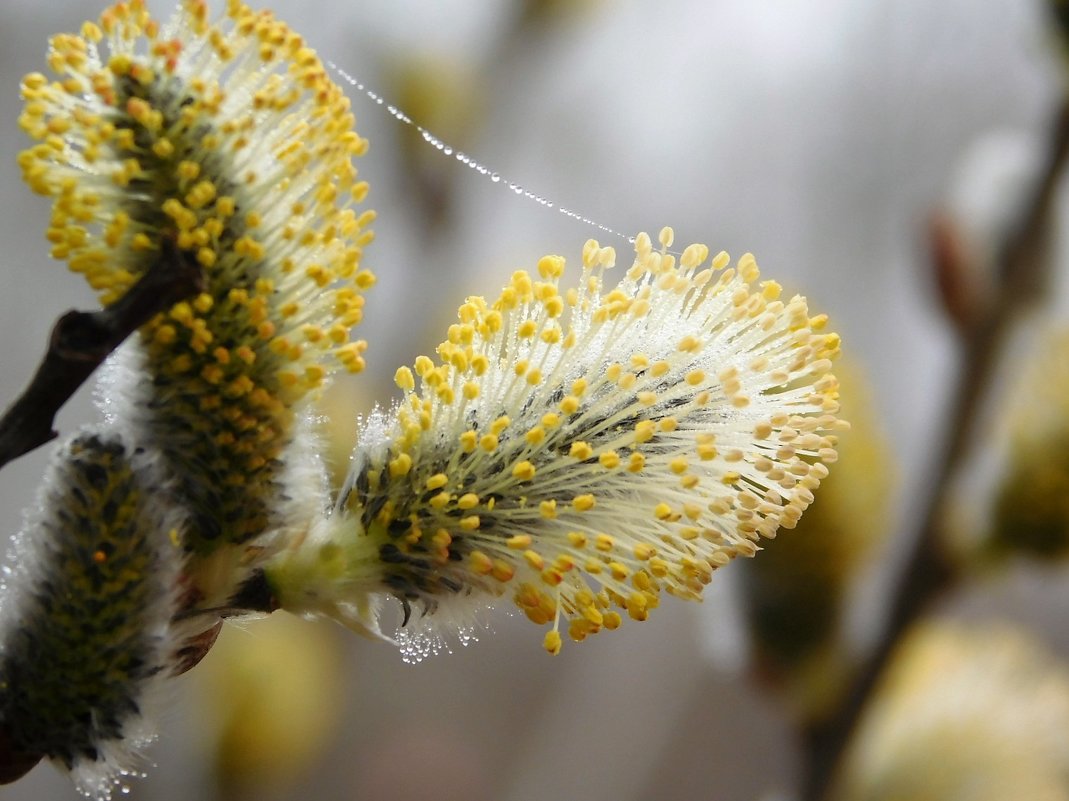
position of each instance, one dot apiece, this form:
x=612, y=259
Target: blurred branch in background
x=983, y=324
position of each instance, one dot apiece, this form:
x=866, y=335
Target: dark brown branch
x=81, y=341
x=928, y=571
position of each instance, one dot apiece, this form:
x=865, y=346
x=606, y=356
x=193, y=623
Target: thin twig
x=81, y=341
x=928, y=571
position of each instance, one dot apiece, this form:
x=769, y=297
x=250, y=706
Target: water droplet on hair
x=463, y=158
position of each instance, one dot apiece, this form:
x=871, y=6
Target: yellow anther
x=644, y=431
x=401, y=465
x=581, y=451
x=689, y=344
x=610, y=460
x=583, y=503
x=503, y=571
x=523, y=471
x=552, y=642
x=643, y=552
x=706, y=452
x=404, y=379
x=550, y=267
x=480, y=563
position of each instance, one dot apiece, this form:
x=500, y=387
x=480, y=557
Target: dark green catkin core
x=89, y=634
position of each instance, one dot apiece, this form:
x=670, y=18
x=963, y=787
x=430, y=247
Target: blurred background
x=824, y=136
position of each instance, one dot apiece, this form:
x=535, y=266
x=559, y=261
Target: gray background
x=817, y=134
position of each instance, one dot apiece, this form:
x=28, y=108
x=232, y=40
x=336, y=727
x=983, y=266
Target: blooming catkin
x=86, y=612
x=969, y=714
x=583, y=449
x=229, y=139
x=224, y=141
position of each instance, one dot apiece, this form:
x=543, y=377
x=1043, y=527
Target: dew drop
x=416, y=653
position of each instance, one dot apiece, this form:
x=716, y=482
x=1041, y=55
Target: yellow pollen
x=581, y=451
x=401, y=465
x=583, y=503
x=552, y=642
x=524, y=471
x=404, y=379
x=480, y=563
